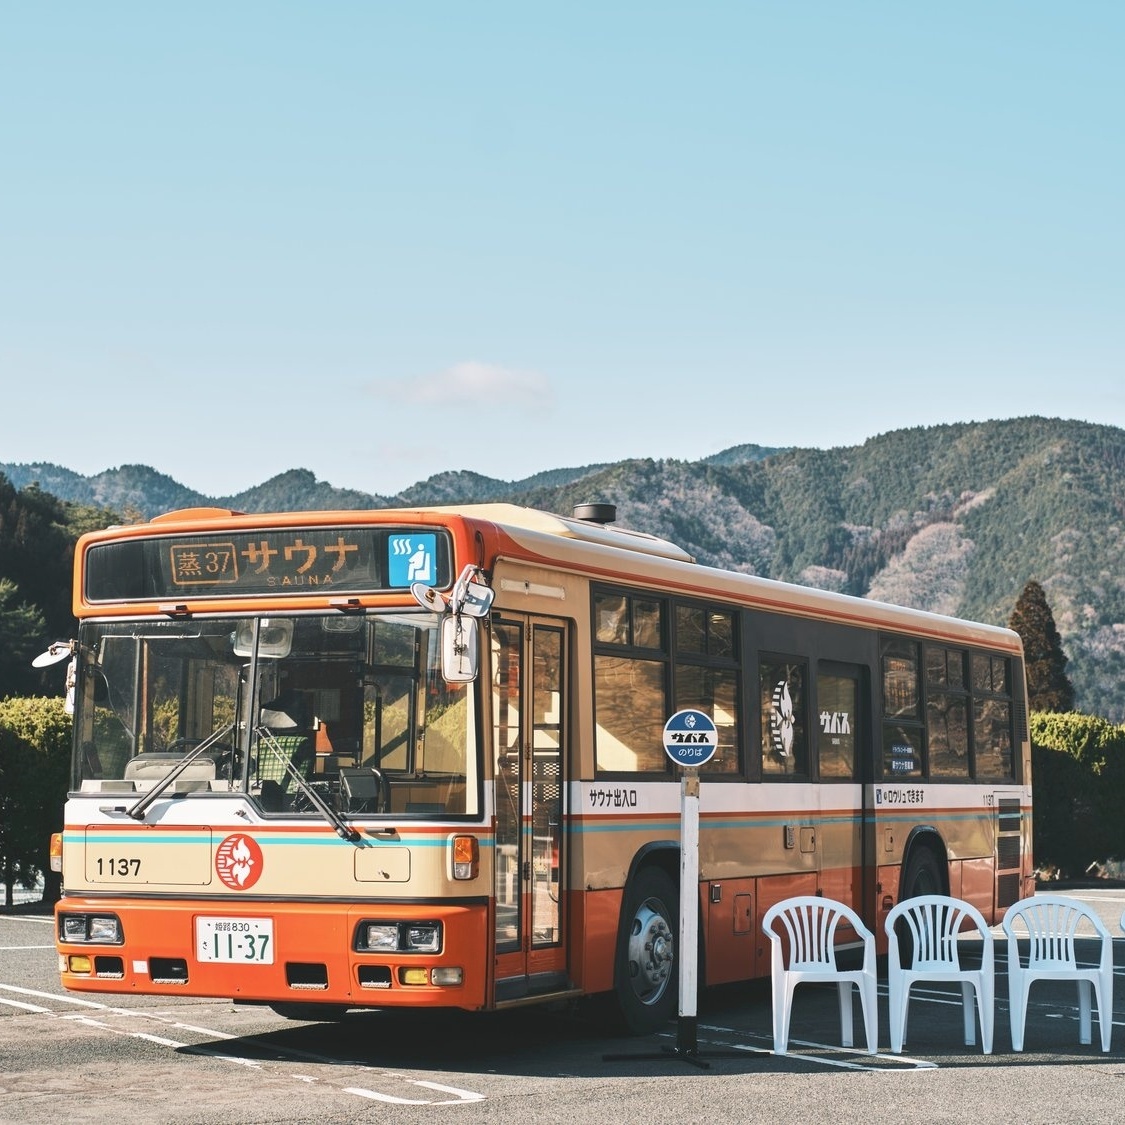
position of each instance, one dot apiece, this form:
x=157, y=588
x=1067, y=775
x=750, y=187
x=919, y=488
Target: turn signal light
x=55, y=851
x=466, y=857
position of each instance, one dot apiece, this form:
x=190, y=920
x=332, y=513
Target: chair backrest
x=933, y=923
x=1052, y=924
x=805, y=926
x=295, y=748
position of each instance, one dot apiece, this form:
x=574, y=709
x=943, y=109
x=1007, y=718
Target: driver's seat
x=273, y=777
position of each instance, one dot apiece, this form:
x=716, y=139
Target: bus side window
x=903, y=734
x=837, y=702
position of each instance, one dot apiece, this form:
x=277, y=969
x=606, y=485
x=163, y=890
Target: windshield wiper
x=344, y=830
x=137, y=812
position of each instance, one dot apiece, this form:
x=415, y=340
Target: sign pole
x=690, y=741
x=687, y=1025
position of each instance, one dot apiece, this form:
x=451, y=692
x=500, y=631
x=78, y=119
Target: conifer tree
x=1048, y=686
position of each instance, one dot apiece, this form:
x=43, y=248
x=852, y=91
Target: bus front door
x=529, y=740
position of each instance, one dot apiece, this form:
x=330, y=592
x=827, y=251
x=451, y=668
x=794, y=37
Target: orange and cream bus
x=414, y=757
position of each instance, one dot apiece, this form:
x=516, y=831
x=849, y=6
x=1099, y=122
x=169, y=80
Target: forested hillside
x=954, y=519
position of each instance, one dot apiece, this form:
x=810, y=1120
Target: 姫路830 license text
x=234, y=939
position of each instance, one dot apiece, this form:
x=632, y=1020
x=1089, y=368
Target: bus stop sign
x=690, y=738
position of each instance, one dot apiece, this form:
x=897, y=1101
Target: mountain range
x=954, y=518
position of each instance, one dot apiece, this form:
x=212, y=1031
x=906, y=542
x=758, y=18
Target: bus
x=415, y=758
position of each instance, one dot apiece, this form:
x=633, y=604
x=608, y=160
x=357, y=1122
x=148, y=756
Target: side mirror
x=56, y=651
x=477, y=599
x=470, y=596
x=460, y=649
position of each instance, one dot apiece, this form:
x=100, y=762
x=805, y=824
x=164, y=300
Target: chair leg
x=1105, y=1012
x=844, y=988
x=968, y=1003
x=1085, y=1024
x=869, y=999
x=1018, y=988
x=782, y=1006
x=898, y=1004
x=986, y=1002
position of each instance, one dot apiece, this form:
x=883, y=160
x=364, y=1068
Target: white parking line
x=26, y=1007
x=462, y=1096
x=459, y=1096
x=897, y=1062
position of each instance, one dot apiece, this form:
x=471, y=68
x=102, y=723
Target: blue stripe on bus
x=262, y=841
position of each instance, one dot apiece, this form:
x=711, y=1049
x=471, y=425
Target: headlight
x=104, y=929
x=382, y=937
x=424, y=938
x=399, y=937
x=74, y=927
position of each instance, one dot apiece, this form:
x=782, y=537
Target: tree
x=35, y=737
x=21, y=627
x=1048, y=687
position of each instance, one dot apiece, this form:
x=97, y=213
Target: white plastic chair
x=932, y=924
x=802, y=931
x=1051, y=924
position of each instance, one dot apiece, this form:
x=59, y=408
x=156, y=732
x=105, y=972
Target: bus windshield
x=353, y=707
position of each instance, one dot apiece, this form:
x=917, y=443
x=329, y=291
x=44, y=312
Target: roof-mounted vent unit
x=596, y=513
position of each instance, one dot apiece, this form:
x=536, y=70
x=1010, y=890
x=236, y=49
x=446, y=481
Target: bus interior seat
x=297, y=749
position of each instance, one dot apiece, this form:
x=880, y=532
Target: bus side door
x=529, y=742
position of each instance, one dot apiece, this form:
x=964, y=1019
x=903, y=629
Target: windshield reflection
x=353, y=708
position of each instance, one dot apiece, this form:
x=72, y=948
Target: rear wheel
x=646, y=976
x=922, y=876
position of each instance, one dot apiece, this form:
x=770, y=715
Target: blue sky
x=381, y=241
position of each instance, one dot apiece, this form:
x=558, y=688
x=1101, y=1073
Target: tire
x=922, y=876
x=646, y=975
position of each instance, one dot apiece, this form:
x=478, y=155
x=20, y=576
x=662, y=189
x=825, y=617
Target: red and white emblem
x=238, y=862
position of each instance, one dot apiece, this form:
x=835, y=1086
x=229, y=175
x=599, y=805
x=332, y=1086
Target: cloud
x=473, y=382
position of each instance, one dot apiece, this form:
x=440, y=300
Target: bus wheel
x=646, y=977
x=323, y=1013
x=922, y=876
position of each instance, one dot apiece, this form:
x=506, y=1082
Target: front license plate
x=234, y=939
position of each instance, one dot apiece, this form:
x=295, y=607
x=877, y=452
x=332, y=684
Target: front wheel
x=646, y=976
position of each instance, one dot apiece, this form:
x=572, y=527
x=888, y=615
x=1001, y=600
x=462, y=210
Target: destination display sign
x=285, y=561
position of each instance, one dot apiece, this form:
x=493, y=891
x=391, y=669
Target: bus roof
x=556, y=541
